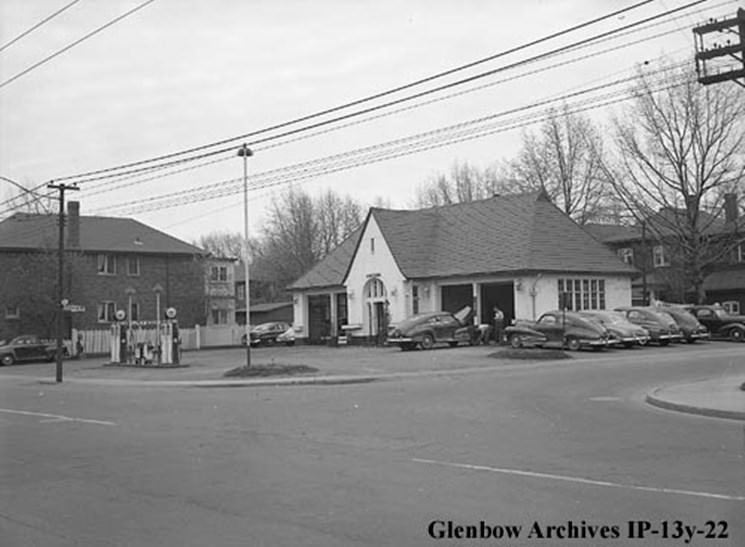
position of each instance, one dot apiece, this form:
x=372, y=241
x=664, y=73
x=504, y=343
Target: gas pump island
x=145, y=342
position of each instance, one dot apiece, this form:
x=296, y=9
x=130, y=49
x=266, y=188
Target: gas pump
x=119, y=338
x=169, y=339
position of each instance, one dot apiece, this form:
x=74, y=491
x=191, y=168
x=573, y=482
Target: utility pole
x=726, y=48
x=60, y=271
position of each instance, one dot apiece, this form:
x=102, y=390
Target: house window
x=581, y=294
x=372, y=245
x=12, y=312
x=133, y=265
x=106, y=311
x=134, y=312
x=106, y=264
x=219, y=273
x=415, y=299
x=660, y=258
x=732, y=307
x=375, y=288
x=240, y=291
x=739, y=254
x=626, y=254
x=219, y=317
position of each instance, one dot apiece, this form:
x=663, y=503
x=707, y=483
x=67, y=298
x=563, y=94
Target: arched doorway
x=376, y=312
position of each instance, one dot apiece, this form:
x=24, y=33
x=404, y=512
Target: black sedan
x=26, y=348
x=720, y=323
x=563, y=328
x=427, y=329
x=662, y=328
x=266, y=333
x=690, y=327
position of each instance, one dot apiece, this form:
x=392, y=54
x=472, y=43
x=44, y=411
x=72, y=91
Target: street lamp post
x=130, y=292
x=245, y=152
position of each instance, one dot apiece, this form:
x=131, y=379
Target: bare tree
x=565, y=159
x=222, y=244
x=464, y=183
x=681, y=148
x=337, y=218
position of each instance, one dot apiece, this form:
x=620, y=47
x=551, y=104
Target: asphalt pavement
x=721, y=397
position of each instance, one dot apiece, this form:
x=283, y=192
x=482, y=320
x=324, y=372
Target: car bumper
x=400, y=340
x=596, y=343
x=641, y=340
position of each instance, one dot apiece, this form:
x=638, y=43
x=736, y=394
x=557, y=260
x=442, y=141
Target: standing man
x=498, y=321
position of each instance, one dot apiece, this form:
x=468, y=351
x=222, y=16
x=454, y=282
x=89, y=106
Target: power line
x=75, y=43
x=379, y=95
x=39, y=24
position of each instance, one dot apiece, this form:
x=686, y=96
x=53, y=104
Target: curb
x=653, y=400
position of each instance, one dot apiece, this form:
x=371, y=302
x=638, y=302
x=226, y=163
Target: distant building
x=112, y=264
x=220, y=299
x=519, y=252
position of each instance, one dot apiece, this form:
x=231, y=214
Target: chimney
x=73, y=225
x=730, y=207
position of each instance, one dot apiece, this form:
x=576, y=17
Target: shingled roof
x=503, y=234
x=24, y=231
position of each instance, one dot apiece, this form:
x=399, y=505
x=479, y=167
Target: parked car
x=661, y=327
x=27, y=347
x=287, y=338
x=427, y=329
x=266, y=333
x=720, y=323
x=622, y=331
x=690, y=327
x=567, y=329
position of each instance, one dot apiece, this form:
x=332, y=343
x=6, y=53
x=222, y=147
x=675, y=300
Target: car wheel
x=516, y=341
x=690, y=340
x=737, y=335
x=573, y=344
x=643, y=342
x=427, y=341
x=7, y=360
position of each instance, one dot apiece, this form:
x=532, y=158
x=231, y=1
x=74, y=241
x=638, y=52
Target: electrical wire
x=73, y=44
x=37, y=25
x=380, y=94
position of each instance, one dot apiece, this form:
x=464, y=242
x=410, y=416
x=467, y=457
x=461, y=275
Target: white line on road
x=580, y=480
x=55, y=417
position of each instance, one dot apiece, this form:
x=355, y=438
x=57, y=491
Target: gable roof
x=331, y=270
x=503, y=234
x=510, y=233
x=24, y=231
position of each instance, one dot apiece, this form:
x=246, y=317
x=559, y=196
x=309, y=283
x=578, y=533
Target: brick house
x=654, y=248
x=515, y=251
x=111, y=264
x=220, y=291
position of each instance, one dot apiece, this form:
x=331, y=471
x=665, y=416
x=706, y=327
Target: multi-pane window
x=106, y=264
x=219, y=317
x=134, y=311
x=415, y=299
x=240, y=291
x=106, y=311
x=582, y=294
x=219, y=273
x=626, y=254
x=660, y=256
x=12, y=312
x=732, y=307
x=375, y=289
x=133, y=265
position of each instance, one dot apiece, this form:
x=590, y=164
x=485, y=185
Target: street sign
x=74, y=308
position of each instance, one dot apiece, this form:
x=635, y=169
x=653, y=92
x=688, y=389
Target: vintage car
x=266, y=333
x=567, y=329
x=720, y=323
x=287, y=338
x=623, y=332
x=27, y=348
x=427, y=329
x=690, y=327
x=661, y=327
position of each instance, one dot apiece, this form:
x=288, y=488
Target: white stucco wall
x=535, y=295
x=379, y=263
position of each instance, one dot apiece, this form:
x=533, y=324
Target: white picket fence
x=98, y=341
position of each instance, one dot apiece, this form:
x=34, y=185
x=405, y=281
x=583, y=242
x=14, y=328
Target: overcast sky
x=179, y=74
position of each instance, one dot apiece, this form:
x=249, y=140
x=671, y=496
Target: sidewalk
x=719, y=397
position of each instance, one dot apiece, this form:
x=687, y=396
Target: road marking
x=604, y=399
x=55, y=417
x=580, y=480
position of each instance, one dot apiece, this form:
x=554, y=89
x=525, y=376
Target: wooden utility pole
x=711, y=55
x=60, y=272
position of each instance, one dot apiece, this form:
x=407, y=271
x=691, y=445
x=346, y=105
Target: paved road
x=373, y=464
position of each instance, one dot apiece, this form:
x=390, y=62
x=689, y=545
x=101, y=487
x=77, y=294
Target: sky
x=181, y=74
